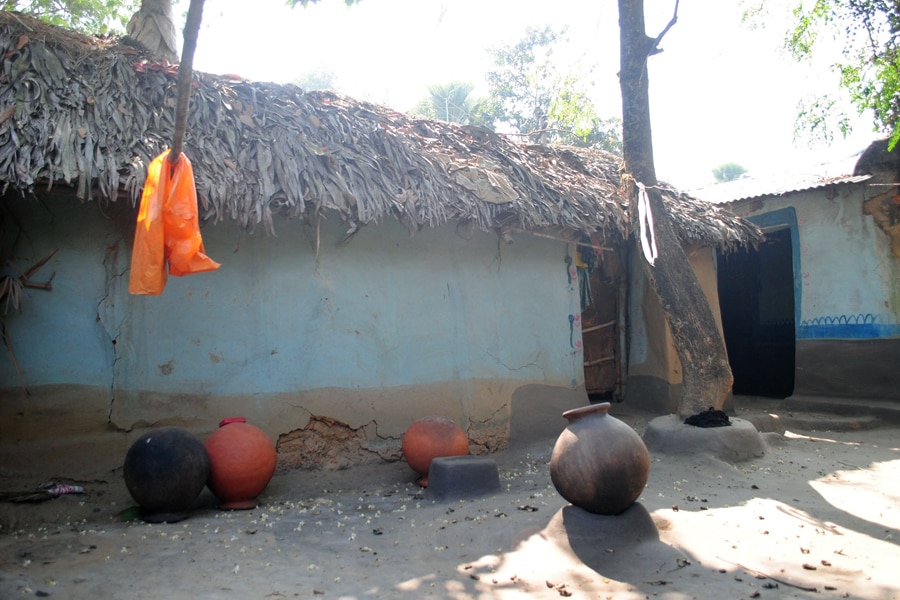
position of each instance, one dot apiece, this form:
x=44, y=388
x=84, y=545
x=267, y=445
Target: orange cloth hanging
x=168, y=229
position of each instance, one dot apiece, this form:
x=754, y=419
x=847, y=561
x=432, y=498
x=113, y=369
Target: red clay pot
x=242, y=461
x=599, y=463
x=430, y=437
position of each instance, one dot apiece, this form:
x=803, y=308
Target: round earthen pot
x=165, y=471
x=430, y=437
x=599, y=463
x=242, y=461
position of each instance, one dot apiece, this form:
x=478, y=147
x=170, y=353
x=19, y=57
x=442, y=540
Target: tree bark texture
x=153, y=27
x=185, y=76
x=707, y=377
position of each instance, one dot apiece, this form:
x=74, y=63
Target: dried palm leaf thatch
x=92, y=112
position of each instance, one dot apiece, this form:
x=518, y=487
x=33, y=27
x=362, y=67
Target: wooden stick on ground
x=754, y=572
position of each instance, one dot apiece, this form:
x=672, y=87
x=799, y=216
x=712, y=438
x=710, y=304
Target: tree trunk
x=185, y=76
x=153, y=27
x=707, y=377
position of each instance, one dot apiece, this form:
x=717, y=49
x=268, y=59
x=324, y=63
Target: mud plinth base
x=737, y=442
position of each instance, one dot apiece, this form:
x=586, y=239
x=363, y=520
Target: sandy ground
x=817, y=517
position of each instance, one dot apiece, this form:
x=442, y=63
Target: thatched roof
x=92, y=112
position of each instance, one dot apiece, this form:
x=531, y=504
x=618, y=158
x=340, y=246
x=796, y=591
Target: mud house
x=376, y=267
x=814, y=310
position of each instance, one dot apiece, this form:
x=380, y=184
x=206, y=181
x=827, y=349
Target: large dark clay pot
x=165, y=471
x=242, y=460
x=430, y=437
x=599, y=463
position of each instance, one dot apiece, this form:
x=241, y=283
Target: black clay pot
x=165, y=471
x=599, y=463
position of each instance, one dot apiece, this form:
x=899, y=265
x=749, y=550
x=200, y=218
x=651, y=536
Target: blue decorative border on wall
x=861, y=326
x=853, y=327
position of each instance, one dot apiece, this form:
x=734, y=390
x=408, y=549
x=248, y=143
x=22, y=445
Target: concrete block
x=456, y=477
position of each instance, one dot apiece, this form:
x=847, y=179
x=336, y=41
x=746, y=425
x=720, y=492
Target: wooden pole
x=185, y=76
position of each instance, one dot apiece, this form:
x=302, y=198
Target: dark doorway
x=756, y=295
x=600, y=322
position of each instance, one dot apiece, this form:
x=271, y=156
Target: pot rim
x=583, y=411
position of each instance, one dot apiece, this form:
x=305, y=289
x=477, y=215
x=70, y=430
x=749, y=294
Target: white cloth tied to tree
x=645, y=217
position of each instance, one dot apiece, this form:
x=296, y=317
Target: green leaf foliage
x=452, y=102
x=869, y=70
x=317, y=79
x=96, y=17
x=528, y=94
x=728, y=172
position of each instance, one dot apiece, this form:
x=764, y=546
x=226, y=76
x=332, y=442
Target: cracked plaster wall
x=369, y=334
x=654, y=369
x=847, y=268
x=847, y=316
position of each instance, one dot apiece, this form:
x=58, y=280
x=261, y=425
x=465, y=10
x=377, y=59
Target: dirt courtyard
x=818, y=516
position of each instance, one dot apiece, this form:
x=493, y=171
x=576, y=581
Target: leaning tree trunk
x=153, y=27
x=707, y=377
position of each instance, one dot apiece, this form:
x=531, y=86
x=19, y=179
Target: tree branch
x=12, y=355
x=185, y=74
x=756, y=573
x=654, y=47
x=546, y=130
x=34, y=268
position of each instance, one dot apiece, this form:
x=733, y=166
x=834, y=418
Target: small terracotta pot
x=430, y=437
x=242, y=460
x=599, y=463
x=165, y=471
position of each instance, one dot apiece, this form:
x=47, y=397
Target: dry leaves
x=92, y=113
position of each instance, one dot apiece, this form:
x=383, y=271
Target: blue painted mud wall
x=846, y=288
x=370, y=332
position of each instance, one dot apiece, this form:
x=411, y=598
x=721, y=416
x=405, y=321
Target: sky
x=721, y=91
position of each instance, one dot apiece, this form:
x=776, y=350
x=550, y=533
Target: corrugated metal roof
x=746, y=188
